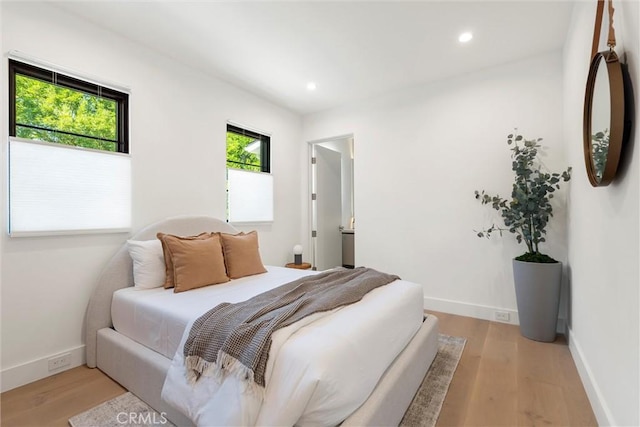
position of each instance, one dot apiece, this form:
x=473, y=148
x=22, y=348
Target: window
x=48, y=106
x=249, y=181
x=248, y=150
x=69, y=171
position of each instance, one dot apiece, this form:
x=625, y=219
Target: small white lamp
x=297, y=254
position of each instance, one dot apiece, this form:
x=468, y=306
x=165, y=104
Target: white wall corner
x=596, y=398
x=35, y=370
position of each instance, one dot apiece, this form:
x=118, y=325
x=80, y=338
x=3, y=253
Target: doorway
x=332, y=208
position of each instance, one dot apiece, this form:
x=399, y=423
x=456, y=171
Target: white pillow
x=148, y=263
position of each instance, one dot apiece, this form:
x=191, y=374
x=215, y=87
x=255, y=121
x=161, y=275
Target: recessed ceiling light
x=311, y=86
x=465, y=37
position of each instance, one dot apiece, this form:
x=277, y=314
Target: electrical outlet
x=502, y=316
x=59, y=361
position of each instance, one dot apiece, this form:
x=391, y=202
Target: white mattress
x=156, y=318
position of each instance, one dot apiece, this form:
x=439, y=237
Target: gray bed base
x=142, y=370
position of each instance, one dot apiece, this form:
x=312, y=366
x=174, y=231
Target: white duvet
x=320, y=369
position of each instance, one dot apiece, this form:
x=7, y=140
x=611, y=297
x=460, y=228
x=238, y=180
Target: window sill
x=50, y=233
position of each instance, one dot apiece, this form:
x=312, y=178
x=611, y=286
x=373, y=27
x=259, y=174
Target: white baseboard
x=35, y=370
x=477, y=311
x=598, y=404
x=470, y=310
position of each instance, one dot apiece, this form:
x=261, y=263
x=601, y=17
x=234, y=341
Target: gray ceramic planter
x=538, y=297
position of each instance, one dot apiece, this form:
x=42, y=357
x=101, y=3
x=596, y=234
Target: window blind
x=59, y=189
x=250, y=196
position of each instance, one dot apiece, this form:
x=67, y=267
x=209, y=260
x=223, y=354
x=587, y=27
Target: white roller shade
x=58, y=189
x=250, y=196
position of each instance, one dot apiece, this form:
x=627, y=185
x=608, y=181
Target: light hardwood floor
x=503, y=379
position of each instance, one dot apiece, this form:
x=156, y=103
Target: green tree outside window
x=241, y=154
x=45, y=111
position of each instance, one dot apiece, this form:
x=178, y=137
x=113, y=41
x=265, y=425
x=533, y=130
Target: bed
x=141, y=366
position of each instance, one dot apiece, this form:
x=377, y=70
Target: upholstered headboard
x=118, y=272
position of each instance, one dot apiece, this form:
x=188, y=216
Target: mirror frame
x=617, y=118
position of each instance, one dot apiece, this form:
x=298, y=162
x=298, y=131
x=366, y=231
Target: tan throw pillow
x=242, y=255
x=169, y=271
x=196, y=262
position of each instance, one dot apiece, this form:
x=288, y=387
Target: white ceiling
x=352, y=50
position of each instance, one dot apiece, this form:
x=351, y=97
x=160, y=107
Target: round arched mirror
x=604, y=118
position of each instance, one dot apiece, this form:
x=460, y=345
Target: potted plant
x=600, y=145
x=537, y=276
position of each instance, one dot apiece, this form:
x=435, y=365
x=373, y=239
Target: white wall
x=604, y=236
x=420, y=155
x=178, y=124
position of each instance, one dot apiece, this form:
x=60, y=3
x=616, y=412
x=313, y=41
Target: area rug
x=426, y=405
x=124, y=410
x=127, y=410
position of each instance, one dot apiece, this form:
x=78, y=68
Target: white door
x=329, y=208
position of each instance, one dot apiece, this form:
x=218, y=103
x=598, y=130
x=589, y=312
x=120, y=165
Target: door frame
x=311, y=220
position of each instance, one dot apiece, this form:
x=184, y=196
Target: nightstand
x=303, y=266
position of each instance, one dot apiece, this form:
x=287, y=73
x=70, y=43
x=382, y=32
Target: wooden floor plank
x=53, y=400
x=502, y=379
x=548, y=388
x=575, y=397
x=494, y=396
x=454, y=408
x=541, y=404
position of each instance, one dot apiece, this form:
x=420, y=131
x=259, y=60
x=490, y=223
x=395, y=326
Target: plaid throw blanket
x=236, y=338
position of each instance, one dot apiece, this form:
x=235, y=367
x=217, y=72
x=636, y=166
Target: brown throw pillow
x=242, y=255
x=196, y=262
x=168, y=263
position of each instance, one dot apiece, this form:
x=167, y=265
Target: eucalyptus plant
x=528, y=211
x=600, y=146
